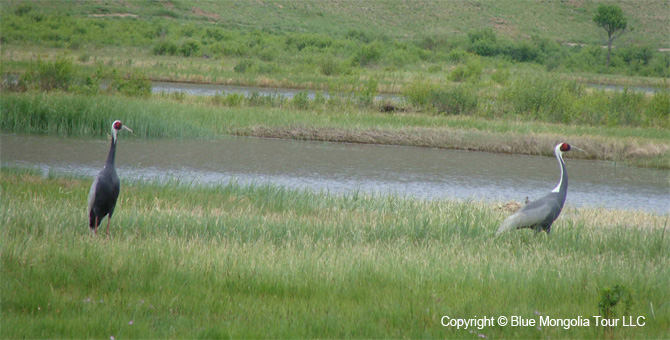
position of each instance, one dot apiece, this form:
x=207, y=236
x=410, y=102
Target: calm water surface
x=211, y=90
x=342, y=168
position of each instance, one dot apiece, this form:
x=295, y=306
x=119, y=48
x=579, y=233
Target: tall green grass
x=197, y=117
x=264, y=261
x=537, y=96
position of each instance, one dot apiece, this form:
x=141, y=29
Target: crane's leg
x=95, y=226
x=109, y=219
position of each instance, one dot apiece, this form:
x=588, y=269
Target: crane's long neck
x=562, y=187
x=112, y=153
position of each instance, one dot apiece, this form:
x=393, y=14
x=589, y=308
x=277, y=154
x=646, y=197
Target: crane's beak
x=126, y=128
x=578, y=149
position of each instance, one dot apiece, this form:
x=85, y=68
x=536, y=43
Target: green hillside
x=562, y=21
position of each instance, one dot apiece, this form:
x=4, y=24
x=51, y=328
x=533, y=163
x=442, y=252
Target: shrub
x=300, y=100
x=368, y=93
x=244, y=66
x=329, y=66
x=483, y=42
x=542, y=97
x=90, y=84
x=470, y=71
x=657, y=111
x=230, y=100
x=302, y=41
x=359, y=35
x=610, y=297
x=131, y=85
x=500, y=75
x=523, y=51
x=368, y=53
x=56, y=75
x=190, y=48
x=23, y=8
x=214, y=33
x=625, y=107
x=457, y=55
x=165, y=48
x=418, y=92
x=458, y=100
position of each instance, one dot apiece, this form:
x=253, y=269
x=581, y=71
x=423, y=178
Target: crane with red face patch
x=541, y=214
x=106, y=186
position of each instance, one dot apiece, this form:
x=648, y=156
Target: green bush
x=300, y=100
x=369, y=91
x=483, y=42
x=457, y=55
x=49, y=76
x=302, y=41
x=523, y=51
x=90, y=85
x=657, y=111
x=368, y=53
x=190, y=48
x=329, y=66
x=244, y=66
x=229, y=100
x=418, y=92
x=458, y=100
x=542, y=97
x=470, y=71
x=23, y=8
x=131, y=85
x=165, y=48
x=500, y=75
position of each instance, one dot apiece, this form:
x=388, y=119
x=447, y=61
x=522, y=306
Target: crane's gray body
x=104, y=191
x=541, y=214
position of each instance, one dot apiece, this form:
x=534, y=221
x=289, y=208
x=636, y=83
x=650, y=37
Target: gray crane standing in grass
x=540, y=214
x=106, y=187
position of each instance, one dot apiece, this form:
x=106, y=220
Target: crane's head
x=563, y=147
x=117, y=126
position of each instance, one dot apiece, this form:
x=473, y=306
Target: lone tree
x=610, y=17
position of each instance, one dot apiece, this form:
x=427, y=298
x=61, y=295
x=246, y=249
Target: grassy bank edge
x=197, y=117
x=630, y=152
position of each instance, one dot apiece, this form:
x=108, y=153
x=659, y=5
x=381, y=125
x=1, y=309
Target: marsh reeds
x=336, y=119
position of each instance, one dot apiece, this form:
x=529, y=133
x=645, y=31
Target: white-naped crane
x=542, y=213
x=106, y=187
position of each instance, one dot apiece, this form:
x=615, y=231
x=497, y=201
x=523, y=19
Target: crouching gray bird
x=106, y=187
x=542, y=213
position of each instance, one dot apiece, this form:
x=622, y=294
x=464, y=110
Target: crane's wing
x=531, y=215
x=91, y=196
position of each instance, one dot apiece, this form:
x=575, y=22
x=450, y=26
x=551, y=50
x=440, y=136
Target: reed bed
x=196, y=117
x=263, y=261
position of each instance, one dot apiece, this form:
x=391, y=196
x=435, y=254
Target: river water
x=343, y=168
x=211, y=90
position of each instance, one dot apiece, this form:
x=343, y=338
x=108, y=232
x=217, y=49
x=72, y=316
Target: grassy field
x=197, y=117
x=262, y=261
x=569, y=21
x=322, y=46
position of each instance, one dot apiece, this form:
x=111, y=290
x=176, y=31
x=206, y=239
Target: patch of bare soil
x=118, y=15
x=199, y=11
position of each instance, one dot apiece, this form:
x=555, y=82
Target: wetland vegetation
x=263, y=261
